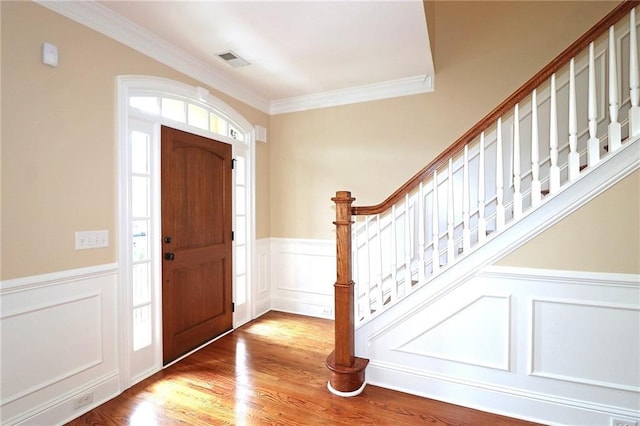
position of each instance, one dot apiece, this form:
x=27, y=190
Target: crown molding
x=103, y=20
x=109, y=23
x=370, y=92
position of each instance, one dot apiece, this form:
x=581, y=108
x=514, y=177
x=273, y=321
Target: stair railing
x=513, y=160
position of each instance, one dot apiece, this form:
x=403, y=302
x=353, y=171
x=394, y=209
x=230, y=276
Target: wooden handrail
x=518, y=96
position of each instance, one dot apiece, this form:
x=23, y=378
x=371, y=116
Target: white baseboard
x=62, y=410
x=301, y=308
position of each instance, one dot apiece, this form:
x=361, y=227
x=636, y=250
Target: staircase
x=567, y=135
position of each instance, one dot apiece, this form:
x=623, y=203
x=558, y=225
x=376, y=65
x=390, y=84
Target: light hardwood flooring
x=270, y=372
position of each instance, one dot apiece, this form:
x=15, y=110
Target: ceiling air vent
x=233, y=59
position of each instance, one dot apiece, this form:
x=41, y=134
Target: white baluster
x=450, y=240
x=554, y=170
x=466, y=227
x=517, y=194
x=368, y=287
x=380, y=272
x=482, y=223
x=634, y=80
x=536, y=187
x=356, y=269
x=394, y=254
x=499, y=179
x=574, y=156
x=593, y=146
x=615, y=131
x=408, y=240
x=435, y=239
x=421, y=231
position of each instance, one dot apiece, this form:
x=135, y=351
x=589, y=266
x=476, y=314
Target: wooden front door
x=196, y=241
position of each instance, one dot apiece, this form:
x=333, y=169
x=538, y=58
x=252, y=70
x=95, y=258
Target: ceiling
x=302, y=53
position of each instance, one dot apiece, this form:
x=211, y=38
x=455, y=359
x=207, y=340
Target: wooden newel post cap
x=343, y=196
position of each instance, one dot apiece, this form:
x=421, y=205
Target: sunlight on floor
x=244, y=386
x=267, y=328
x=145, y=414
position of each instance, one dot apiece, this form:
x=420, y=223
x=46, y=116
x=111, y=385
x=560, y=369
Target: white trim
x=370, y=92
x=564, y=276
x=109, y=23
x=346, y=394
x=56, y=278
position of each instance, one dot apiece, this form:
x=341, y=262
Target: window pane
x=241, y=230
x=240, y=171
x=241, y=207
x=145, y=103
x=217, y=124
x=141, y=327
x=141, y=284
x=241, y=289
x=173, y=109
x=241, y=267
x=198, y=117
x=139, y=196
x=140, y=239
x=139, y=152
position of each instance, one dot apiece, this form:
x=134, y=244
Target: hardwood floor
x=270, y=371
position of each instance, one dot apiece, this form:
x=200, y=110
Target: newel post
x=346, y=377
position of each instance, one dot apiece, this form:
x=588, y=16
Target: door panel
x=197, y=247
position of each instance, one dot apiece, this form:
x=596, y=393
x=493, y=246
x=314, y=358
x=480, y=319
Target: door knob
x=167, y=240
x=169, y=256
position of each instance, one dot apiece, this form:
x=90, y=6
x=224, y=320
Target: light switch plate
x=92, y=239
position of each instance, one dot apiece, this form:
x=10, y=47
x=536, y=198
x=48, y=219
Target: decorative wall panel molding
x=302, y=276
x=554, y=345
x=476, y=334
x=59, y=342
x=572, y=340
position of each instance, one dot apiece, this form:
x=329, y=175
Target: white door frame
x=128, y=119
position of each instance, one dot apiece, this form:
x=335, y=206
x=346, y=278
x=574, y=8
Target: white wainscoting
x=59, y=343
x=302, y=276
x=557, y=347
x=261, y=289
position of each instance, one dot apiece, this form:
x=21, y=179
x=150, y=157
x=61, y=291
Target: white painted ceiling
x=296, y=49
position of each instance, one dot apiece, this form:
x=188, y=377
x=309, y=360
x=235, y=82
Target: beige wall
x=59, y=143
x=602, y=236
x=483, y=52
x=59, y=147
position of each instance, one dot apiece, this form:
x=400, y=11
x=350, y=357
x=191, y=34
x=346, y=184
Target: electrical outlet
x=327, y=312
x=623, y=422
x=83, y=400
